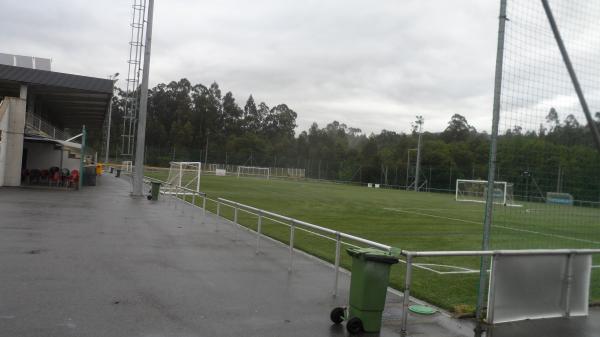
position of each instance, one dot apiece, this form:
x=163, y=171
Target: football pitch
x=411, y=221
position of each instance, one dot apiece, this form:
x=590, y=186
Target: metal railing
x=180, y=193
x=340, y=238
x=294, y=224
x=41, y=125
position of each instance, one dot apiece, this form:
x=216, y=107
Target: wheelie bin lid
x=372, y=254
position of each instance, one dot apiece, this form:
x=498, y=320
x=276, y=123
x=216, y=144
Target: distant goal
x=186, y=175
x=476, y=191
x=254, y=171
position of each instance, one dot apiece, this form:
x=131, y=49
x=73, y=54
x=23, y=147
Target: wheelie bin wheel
x=337, y=315
x=354, y=325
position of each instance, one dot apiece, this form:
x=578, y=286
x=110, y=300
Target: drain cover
x=422, y=309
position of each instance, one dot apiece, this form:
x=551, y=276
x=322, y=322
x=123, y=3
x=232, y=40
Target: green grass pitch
x=408, y=220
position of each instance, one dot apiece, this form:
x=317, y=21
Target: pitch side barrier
x=568, y=295
x=572, y=269
x=191, y=197
x=294, y=224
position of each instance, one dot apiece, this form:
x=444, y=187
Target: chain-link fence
x=545, y=147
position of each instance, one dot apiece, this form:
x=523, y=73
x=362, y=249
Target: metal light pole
x=114, y=79
x=418, y=167
x=138, y=178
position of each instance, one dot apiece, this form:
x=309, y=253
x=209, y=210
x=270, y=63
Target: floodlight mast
x=418, y=164
x=138, y=178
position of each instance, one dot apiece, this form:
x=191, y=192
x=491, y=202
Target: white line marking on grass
x=499, y=226
x=438, y=209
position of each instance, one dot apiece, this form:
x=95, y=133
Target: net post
x=487, y=222
x=572, y=74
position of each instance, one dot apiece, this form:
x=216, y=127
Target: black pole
x=571, y=70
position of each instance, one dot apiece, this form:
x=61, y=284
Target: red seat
x=54, y=178
x=44, y=175
x=74, y=178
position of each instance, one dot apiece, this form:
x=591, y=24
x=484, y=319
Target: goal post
x=186, y=175
x=254, y=171
x=127, y=166
x=476, y=191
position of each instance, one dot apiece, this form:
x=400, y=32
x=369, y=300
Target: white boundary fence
x=340, y=238
x=493, y=254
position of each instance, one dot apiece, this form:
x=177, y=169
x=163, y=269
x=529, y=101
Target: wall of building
x=3, y=138
x=72, y=159
x=12, y=127
x=42, y=156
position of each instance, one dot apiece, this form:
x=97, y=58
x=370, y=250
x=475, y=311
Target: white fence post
x=258, y=231
x=292, y=225
x=338, y=245
x=406, y=299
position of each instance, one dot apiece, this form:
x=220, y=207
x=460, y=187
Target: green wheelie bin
x=368, y=289
x=154, y=191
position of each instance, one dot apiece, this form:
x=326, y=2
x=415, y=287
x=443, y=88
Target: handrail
x=313, y=226
x=277, y=218
x=500, y=252
x=410, y=255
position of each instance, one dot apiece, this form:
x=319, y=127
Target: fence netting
x=545, y=147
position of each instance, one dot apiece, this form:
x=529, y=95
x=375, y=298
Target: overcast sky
x=369, y=64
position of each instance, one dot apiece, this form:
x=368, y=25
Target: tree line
x=189, y=122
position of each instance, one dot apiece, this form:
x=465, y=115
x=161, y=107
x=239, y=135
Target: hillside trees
x=184, y=118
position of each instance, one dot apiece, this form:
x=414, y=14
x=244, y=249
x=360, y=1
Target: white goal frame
x=127, y=166
x=255, y=168
x=507, y=199
x=177, y=170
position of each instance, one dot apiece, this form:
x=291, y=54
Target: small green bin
x=368, y=286
x=155, y=190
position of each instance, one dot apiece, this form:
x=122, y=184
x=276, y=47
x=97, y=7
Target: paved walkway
x=100, y=263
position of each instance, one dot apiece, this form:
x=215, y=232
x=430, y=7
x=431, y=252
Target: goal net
x=186, y=175
x=253, y=171
x=476, y=191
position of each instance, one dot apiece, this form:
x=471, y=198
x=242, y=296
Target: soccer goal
x=127, y=166
x=184, y=174
x=476, y=190
x=253, y=171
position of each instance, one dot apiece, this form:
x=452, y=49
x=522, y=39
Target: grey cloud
x=373, y=65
